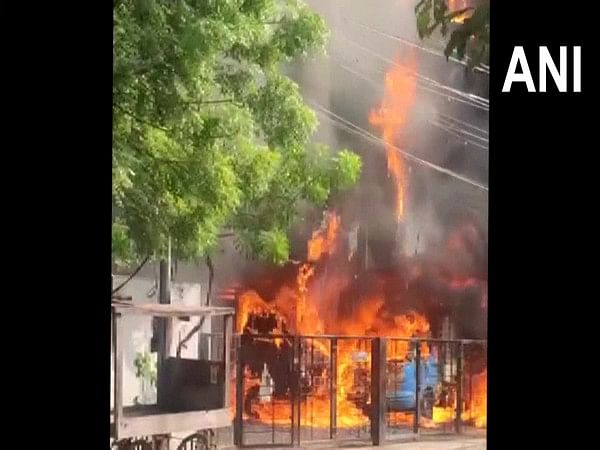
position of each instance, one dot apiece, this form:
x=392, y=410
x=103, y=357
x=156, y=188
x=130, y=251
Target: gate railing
x=293, y=389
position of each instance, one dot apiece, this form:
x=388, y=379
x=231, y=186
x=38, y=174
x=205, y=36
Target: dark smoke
x=436, y=261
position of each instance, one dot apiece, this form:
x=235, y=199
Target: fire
x=391, y=118
x=443, y=414
x=302, y=307
x=323, y=241
x=477, y=407
x=458, y=5
x=474, y=408
x=308, y=304
x=312, y=304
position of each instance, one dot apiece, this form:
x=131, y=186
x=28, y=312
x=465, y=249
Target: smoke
x=448, y=127
x=366, y=39
x=435, y=260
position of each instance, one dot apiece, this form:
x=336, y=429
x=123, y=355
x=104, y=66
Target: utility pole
x=162, y=330
x=164, y=298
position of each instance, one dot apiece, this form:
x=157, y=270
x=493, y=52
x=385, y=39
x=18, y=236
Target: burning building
x=336, y=293
x=403, y=257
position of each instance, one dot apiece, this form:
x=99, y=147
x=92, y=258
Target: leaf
x=208, y=133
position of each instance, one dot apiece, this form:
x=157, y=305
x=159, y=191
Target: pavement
x=429, y=443
x=454, y=444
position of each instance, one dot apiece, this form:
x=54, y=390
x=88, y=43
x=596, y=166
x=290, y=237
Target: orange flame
x=458, y=5
x=391, y=117
x=474, y=409
x=477, y=407
x=323, y=241
x=306, y=308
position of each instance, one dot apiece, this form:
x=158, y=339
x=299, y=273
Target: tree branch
x=139, y=119
x=189, y=335
x=210, y=102
x=133, y=274
x=211, y=274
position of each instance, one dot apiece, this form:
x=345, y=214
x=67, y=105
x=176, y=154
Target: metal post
x=378, y=391
x=459, y=387
x=312, y=381
x=239, y=393
x=227, y=327
x=164, y=297
x=118, y=368
x=333, y=389
x=296, y=394
x=417, y=387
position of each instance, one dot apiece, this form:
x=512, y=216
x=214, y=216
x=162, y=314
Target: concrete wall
x=138, y=332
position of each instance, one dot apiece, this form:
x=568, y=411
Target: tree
x=470, y=36
x=208, y=134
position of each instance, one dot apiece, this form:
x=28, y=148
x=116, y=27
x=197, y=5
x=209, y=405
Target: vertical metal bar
x=333, y=389
x=272, y=420
x=470, y=395
x=459, y=387
x=118, y=368
x=378, y=364
x=227, y=330
x=295, y=388
x=453, y=359
x=417, y=387
x=239, y=393
x=312, y=383
x=298, y=386
x=293, y=392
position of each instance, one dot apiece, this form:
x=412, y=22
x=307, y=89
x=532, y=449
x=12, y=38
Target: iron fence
x=293, y=389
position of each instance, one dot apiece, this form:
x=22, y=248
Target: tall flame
x=391, y=118
x=310, y=303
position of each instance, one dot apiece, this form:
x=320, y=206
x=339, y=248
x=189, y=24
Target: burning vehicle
x=401, y=390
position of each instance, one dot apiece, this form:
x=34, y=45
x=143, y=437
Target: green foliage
x=207, y=133
x=145, y=367
x=469, y=40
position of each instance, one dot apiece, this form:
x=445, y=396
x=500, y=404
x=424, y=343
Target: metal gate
x=288, y=389
x=265, y=411
x=293, y=389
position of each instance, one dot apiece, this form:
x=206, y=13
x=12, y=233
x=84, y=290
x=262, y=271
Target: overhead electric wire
x=475, y=100
x=461, y=130
x=378, y=86
x=353, y=128
x=448, y=127
x=480, y=68
x=420, y=86
x=458, y=135
x=462, y=122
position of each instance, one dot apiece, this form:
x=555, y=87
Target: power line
x=458, y=135
x=462, y=122
x=353, y=128
x=454, y=127
x=476, y=100
x=448, y=127
x=420, y=86
x=378, y=86
x=480, y=68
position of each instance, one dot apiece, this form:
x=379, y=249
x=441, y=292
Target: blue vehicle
x=402, y=385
